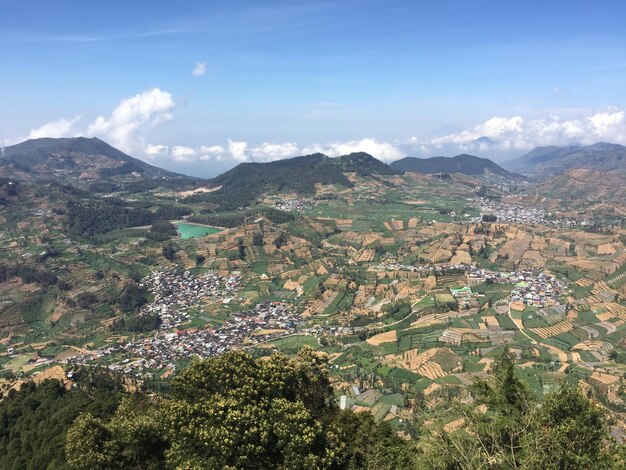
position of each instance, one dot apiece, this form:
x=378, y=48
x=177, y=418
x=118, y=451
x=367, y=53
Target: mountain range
x=73, y=158
x=92, y=159
x=243, y=183
x=464, y=164
x=291, y=173
x=545, y=162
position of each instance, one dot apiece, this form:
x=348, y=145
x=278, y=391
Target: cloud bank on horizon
x=130, y=124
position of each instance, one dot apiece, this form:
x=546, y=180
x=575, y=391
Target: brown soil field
x=588, y=265
x=428, y=320
x=369, y=238
x=55, y=372
x=419, y=362
x=387, y=337
x=518, y=242
x=556, y=329
x=608, y=249
x=584, y=282
x=538, y=243
x=491, y=322
x=439, y=254
x=267, y=332
x=461, y=257
x=365, y=256
x=536, y=257
x=430, y=283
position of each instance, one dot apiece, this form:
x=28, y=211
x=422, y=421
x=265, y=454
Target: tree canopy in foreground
x=237, y=412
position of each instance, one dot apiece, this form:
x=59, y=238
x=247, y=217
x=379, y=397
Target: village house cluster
x=175, y=292
x=511, y=213
x=540, y=290
x=292, y=205
x=266, y=321
x=518, y=214
x=531, y=288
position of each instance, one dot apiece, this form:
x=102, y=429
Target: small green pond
x=195, y=231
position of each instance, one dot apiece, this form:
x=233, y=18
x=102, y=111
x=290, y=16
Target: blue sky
x=277, y=79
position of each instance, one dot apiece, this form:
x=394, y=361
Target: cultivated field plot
x=518, y=243
x=432, y=363
x=365, y=256
x=386, y=337
x=556, y=329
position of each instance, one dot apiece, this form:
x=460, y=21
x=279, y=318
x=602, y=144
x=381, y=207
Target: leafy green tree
x=505, y=392
x=132, y=439
x=370, y=445
x=235, y=412
x=132, y=297
x=162, y=230
x=34, y=421
x=281, y=240
x=257, y=239
x=289, y=418
x=570, y=433
x=86, y=444
x=169, y=251
x=241, y=249
x=86, y=299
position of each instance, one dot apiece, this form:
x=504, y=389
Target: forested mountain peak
x=552, y=160
x=301, y=175
x=464, y=164
x=72, y=158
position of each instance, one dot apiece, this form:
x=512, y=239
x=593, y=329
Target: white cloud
x=199, y=69
x=153, y=151
x=382, y=150
x=211, y=152
x=267, y=152
x=314, y=148
x=237, y=150
x=240, y=151
x=496, y=127
x=60, y=128
x=516, y=133
x=122, y=128
x=181, y=153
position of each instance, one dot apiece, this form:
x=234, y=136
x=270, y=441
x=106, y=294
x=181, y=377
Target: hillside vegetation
x=76, y=157
x=235, y=412
x=464, y=164
x=550, y=161
x=244, y=183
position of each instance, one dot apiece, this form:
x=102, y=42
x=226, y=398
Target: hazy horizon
x=211, y=171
